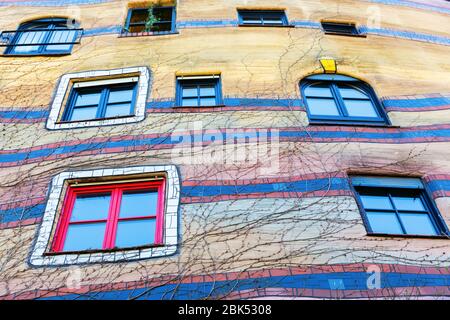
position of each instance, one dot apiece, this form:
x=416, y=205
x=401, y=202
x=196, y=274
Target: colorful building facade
x=199, y=149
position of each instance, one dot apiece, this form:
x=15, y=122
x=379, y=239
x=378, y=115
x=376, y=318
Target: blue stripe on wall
x=417, y=103
x=21, y=114
x=291, y=135
x=298, y=23
x=439, y=185
x=319, y=281
x=294, y=186
x=22, y=213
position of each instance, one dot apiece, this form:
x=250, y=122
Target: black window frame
x=129, y=24
x=333, y=81
x=389, y=191
x=341, y=29
x=262, y=15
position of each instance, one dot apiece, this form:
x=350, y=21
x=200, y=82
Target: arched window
x=341, y=99
x=44, y=36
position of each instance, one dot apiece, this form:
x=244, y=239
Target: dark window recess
x=164, y=20
x=198, y=92
x=347, y=29
x=262, y=18
x=399, y=211
x=41, y=37
x=101, y=102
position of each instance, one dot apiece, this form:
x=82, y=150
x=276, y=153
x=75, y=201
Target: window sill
x=352, y=124
x=412, y=236
x=346, y=34
x=267, y=26
x=56, y=54
x=104, y=250
x=125, y=34
x=97, y=119
x=199, y=107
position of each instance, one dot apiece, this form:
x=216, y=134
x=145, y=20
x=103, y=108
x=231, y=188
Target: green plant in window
x=151, y=20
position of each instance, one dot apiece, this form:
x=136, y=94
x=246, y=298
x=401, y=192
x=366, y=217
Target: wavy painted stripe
x=50, y=3
x=318, y=281
x=188, y=24
x=407, y=104
x=207, y=191
x=417, y=104
x=317, y=134
x=443, y=8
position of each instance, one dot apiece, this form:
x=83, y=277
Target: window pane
x=159, y=27
x=207, y=91
x=85, y=113
x=318, y=91
x=273, y=20
x=190, y=102
x=85, y=236
x=408, y=204
x=135, y=233
x=62, y=36
x=208, y=102
x=117, y=110
x=360, y=108
x=348, y=92
x=384, y=222
x=90, y=207
x=29, y=38
x=189, y=92
x=163, y=14
x=139, y=16
x=324, y=107
x=376, y=202
x=87, y=99
x=418, y=223
x=120, y=96
x=138, y=204
x=251, y=20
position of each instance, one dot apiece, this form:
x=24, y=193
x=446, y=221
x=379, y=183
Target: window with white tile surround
x=140, y=76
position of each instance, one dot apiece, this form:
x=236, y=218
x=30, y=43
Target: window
x=100, y=102
x=123, y=214
x=341, y=99
x=111, y=216
x=97, y=98
x=164, y=20
x=199, y=91
x=397, y=206
x=345, y=29
x=268, y=18
x=45, y=37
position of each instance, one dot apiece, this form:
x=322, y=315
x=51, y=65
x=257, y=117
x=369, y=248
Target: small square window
x=198, y=92
x=156, y=19
x=345, y=29
x=263, y=18
x=397, y=206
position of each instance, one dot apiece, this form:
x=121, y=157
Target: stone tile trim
x=38, y=257
x=63, y=87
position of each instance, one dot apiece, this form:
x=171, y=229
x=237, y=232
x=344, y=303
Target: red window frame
x=112, y=220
